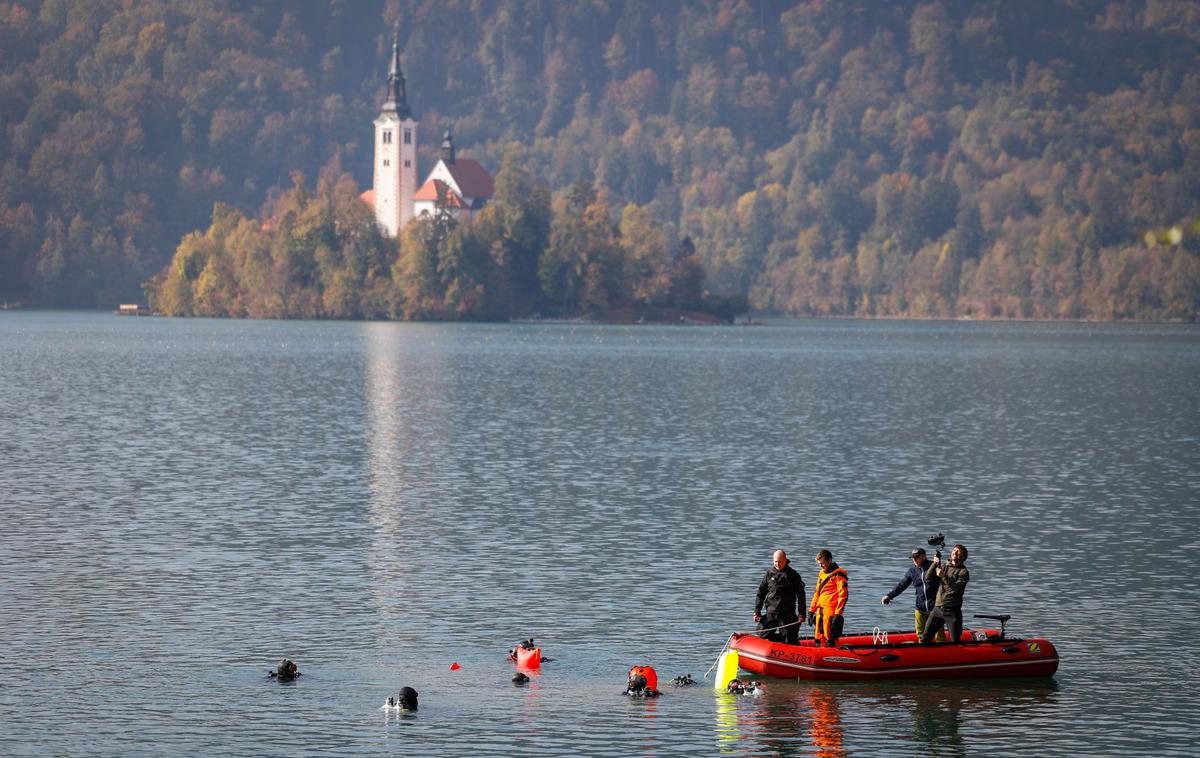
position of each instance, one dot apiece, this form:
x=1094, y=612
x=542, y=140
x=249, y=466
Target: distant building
x=395, y=179
x=460, y=186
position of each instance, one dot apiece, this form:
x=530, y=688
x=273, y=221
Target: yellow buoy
x=727, y=669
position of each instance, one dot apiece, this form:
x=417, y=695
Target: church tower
x=395, y=179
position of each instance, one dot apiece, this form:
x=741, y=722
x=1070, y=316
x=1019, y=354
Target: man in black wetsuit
x=780, y=602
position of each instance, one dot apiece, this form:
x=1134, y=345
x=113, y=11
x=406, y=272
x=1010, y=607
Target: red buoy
x=648, y=672
x=530, y=659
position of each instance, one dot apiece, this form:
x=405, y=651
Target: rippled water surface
x=183, y=502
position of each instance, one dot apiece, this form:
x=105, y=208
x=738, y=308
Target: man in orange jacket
x=828, y=600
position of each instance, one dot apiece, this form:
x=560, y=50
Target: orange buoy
x=529, y=658
x=648, y=672
x=454, y=667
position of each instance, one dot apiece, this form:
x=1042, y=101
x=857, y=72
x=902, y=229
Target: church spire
x=397, y=99
x=448, y=148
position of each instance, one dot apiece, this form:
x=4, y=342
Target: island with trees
x=920, y=158
x=320, y=254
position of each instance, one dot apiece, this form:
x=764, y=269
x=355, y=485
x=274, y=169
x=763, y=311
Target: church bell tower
x=395, y=178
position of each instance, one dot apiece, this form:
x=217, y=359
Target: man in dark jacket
x=947, y=608
x=925, y=590
x=780, y=601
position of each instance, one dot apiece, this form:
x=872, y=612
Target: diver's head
x=408, y=698
x=286, y=670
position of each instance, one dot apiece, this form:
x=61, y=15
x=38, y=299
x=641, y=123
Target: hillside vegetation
x=986, y=159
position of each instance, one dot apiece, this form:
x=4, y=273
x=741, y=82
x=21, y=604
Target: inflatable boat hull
x=980, y=653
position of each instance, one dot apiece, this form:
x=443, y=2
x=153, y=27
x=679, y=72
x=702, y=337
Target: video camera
x=937, y=541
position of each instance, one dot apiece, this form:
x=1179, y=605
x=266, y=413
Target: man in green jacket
x=947, y=609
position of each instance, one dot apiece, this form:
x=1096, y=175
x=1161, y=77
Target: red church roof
x=472, y=179
x=435, y=188
x=368, y=197
x=431, y=189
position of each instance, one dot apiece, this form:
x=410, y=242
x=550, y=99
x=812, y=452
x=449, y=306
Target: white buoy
x=727, y=668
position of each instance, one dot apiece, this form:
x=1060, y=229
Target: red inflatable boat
x=896, y=655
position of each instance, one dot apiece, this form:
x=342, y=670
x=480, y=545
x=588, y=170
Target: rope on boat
x=718, y=660
x=730, y=639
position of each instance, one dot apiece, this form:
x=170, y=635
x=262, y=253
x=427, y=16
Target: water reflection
x=775, y=723
x=728, y=733
x=825, y=727
x=394, y=717
x=404, y=418
x=644, y=722
x=937, y=709
x=380, y=500
x=532, y=702
x=936, y=720
x=815, y=718
x=393, y=391
x=382, y=380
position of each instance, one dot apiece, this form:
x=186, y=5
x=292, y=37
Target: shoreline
x=761, y=319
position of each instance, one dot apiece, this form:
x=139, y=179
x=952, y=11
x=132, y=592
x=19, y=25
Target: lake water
x=183, y=502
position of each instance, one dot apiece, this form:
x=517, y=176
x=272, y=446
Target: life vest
x=834, y=598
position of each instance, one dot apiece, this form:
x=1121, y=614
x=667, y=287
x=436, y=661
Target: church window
x=408, y=164
x=387, y=137
x=408, y=136
x=386, y=163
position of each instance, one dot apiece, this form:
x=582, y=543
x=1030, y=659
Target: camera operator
x=947, y=609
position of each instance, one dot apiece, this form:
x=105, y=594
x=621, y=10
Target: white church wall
x=387, y=177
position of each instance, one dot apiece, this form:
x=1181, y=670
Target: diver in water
x=285, y=672
x=640, y=687
x=738, y=687
x=526, y=646
x=523, y=645
x=406, y=700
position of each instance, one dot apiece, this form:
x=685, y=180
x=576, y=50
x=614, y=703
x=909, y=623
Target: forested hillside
x=991, y=158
